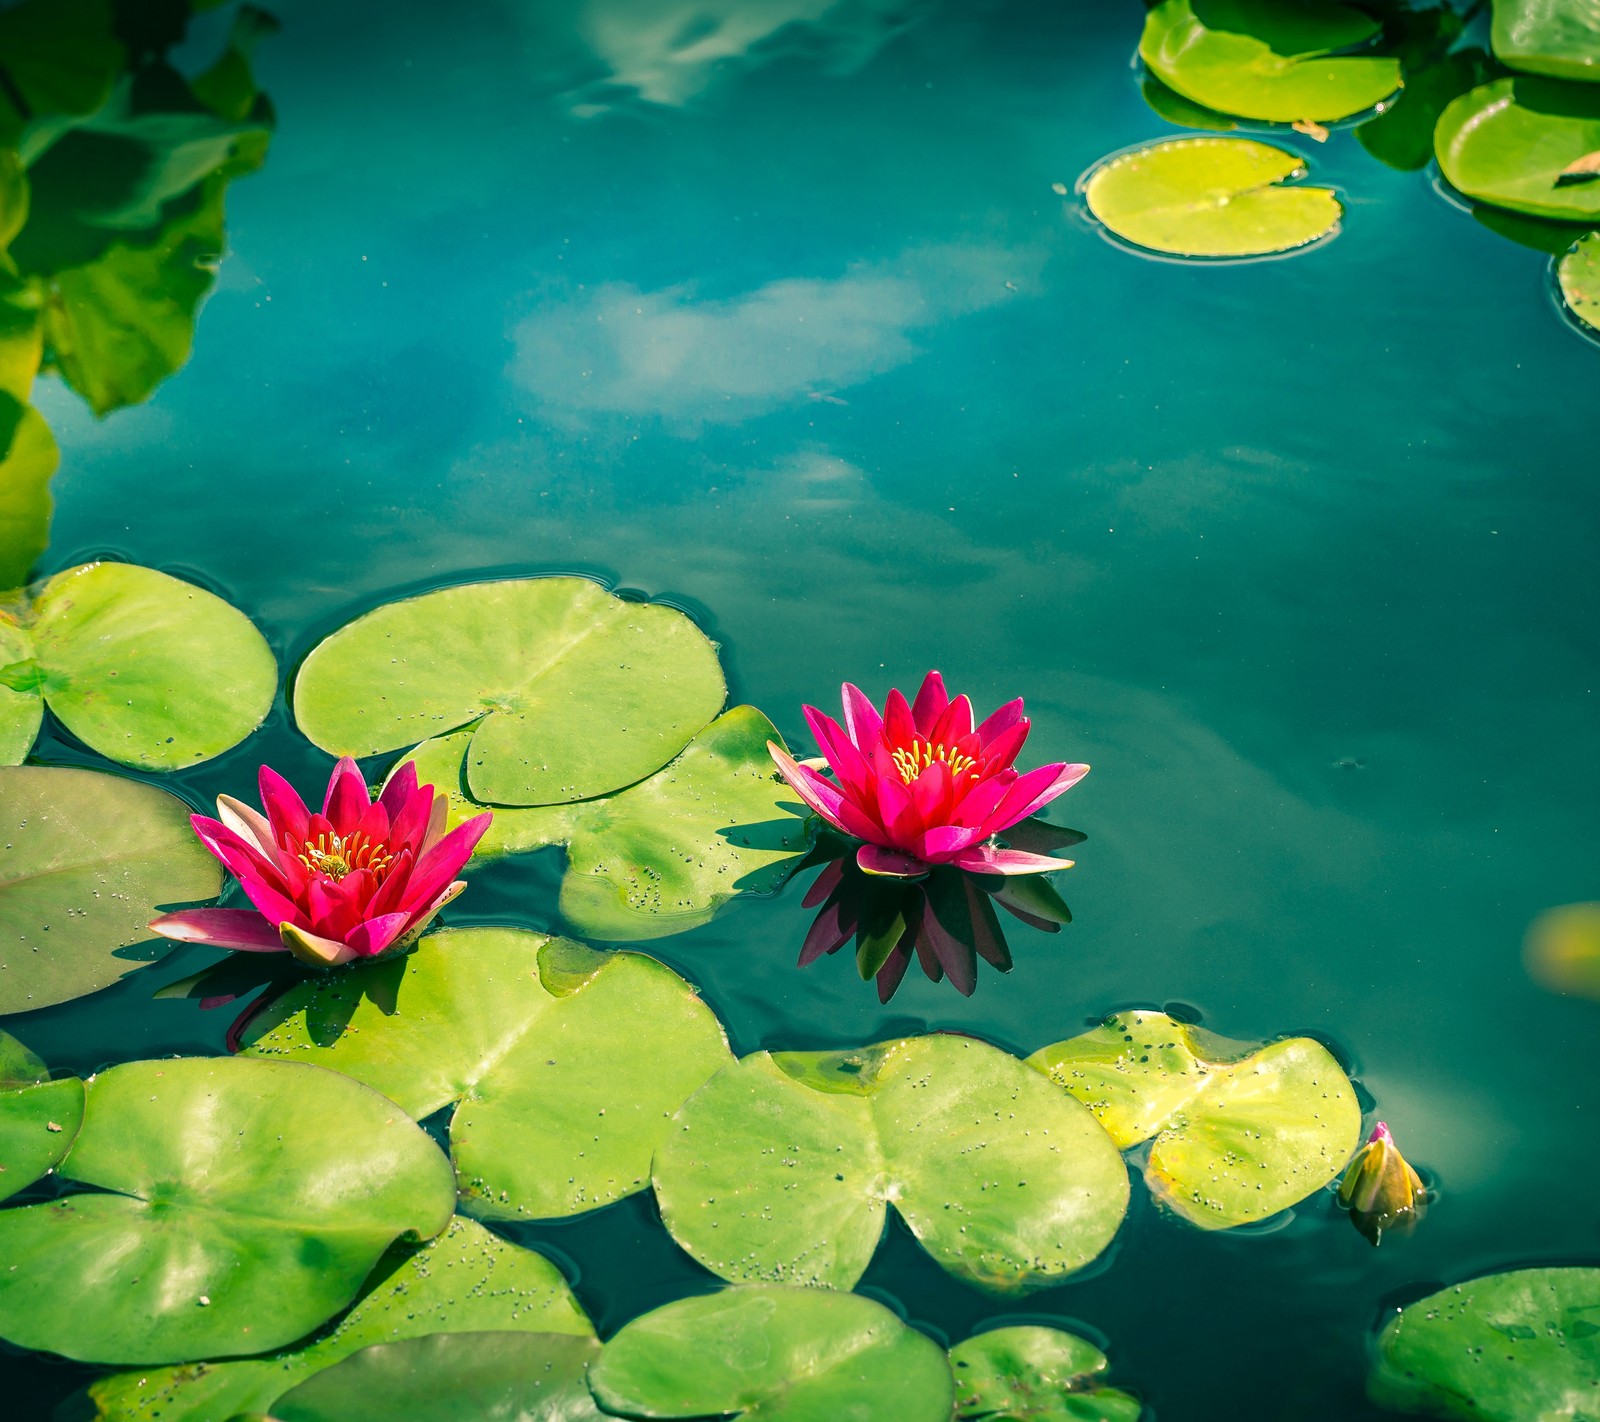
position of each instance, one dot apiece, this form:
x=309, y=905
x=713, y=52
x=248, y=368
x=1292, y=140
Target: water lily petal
x=958, y=959
x=955, y=723
x=439, y=865
x=243, y=929
x=372, y=937
x=1003, y=749
x=975, y=808
x=374, y=824
x=391, y=894
x=408, y=824
x=932, y=793
x=438, y=818
x=889, y=863
x=986, y=859
x=422, y=920
x=826, y=882
x=239, y=856
x=899, y=730
x=248, y=824
x=893, y=971
x=897, y=812
x=347, y=797
x=1007, y=717
x=398, y=789
x=285, y=809
x=313, y=949
x=824, y=799
x=943, y=842
x=1032, y=792
x=829, y=932
x=932, y=699
x=847, y=763
x=861, y=719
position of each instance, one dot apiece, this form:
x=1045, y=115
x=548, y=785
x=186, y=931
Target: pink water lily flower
x=354, y=880
x=922, y=785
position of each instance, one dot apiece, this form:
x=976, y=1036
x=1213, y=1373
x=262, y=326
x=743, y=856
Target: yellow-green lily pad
x=1578, y=272
x=1028, y=1373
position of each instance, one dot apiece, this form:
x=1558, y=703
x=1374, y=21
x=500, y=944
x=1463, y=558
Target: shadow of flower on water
x=946, y=919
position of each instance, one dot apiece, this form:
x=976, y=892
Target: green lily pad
x=1579, y=275
x=28, y=457
x=239, y=1204
x=1033, y=1374
x=465, y=1281
x=573, y=692
x=1516, y=1347
x=1509, y=142
x=454, y=1377
x=1555, y=37
x=1238, y=1133
x=782, y=1167
x=39, y=1118
x=761, y=1351
x=62, y=58
x=564, y=1064
x=1210, y=197
x=146, y=669
x=1261, y=59
x=662, y=856
x=90, y=858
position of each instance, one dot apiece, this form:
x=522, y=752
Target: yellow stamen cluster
x=912, y=760
x=334, y=856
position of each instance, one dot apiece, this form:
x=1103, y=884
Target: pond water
x=1299, y=554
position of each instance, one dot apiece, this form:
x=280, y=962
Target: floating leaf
x=28, y=457
x=1032, y=1374
x=238, y=1205
x=1210, y=197
x=572, y=692
x=1505, y=1348
x=564, y=1063
x=146, y=669
x=39, y=1118
x=466, y=1280
x=664, y=855
x=89, y=858
x=782, y=1167
x=1508, y=143
x=454, y=1377
x=1563, y=950
x=1238, y=1133
x=760, y=1351
x=1556, y=37
x=1261, y=59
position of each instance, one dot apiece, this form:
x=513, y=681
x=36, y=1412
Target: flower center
x=912, y=760
x=335, y=856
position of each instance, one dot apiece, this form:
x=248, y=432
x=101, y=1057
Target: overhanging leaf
x=1210, y=197
x=781, y=1168
x=28, y=457
x=664, y=855
x=563, y=1064
x=1033, y=1374
x=572, y=692
x=239, y=1204
x=90, y=858
x=765, y=1352
x=1238, y=1133
x=466, y=1280
x=1556, y=37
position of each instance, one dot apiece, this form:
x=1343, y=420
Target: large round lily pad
x=89, y=861
x=662, y=856
x=39, y=1118
x=453, y=1377
x=1557, y=37
x=764, y=1352
x=1238, y=1133
x=782, y=1168
x=1262, y=59
x=564, y=1064
x=1513, y=142
x=1210, y=197
x=1578, y=272
x=466, y=1280
x=238, y=1205
x=573, y=692
x=1517, y=1347
x=1033, y=1374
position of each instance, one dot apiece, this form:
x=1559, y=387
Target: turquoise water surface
x=770, y=309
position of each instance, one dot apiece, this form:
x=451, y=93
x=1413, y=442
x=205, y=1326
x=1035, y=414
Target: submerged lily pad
x=571, y=692
x=662, y=856
x=1034, y=1374
x=90, y=858
x=761, y=1351
x=39, y=1118
x=1238, y=1133
x=1579, y=274
x=237, y=1205
x=465, y=1281
x=1510, y=142
x=782, y=1167
x=1556, y=37
x=1509, y=1347
x=1262, y=59
x=454, y=1377
x=564, y=1063
x=1210, y=197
